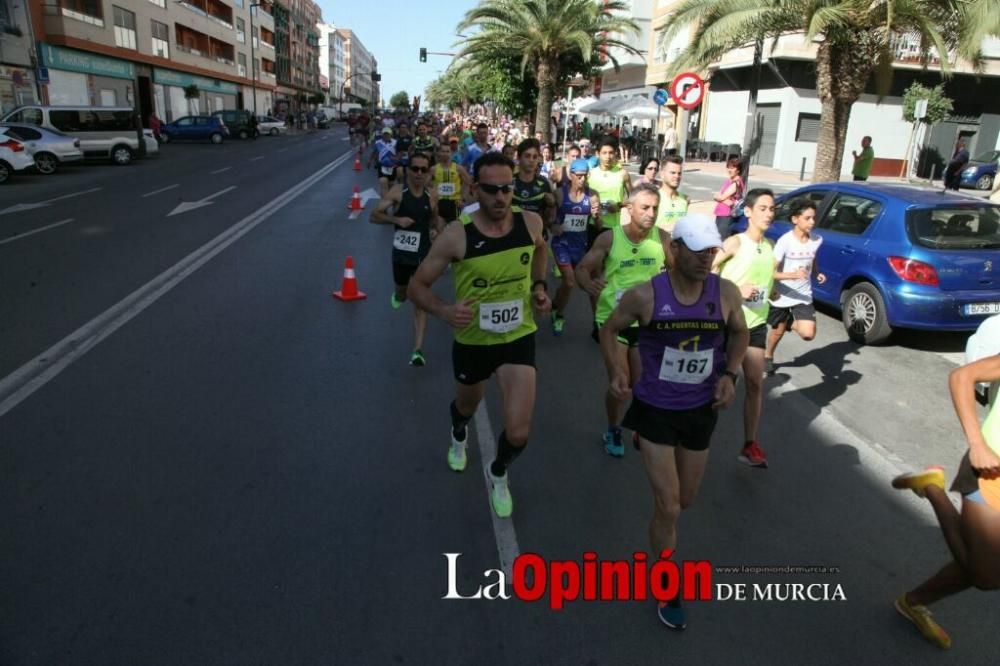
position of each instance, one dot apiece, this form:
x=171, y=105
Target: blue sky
x=394, y=31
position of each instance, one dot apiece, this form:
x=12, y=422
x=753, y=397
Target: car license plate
x=972, y=309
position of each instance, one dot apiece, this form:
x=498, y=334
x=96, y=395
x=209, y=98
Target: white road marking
x=221, y=170
x=39, y=371
x=185, y=206
x=503, y=528
x=281, y=150
x=254, y=159
x=30, y=206
x=35, y=231
x=162, y=189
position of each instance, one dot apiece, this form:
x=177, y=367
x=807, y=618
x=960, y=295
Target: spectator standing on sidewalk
x=995, y=195
x=728, y=197
x=863, y=161
x=953, y=172
x=155, y=125
x=670, y=141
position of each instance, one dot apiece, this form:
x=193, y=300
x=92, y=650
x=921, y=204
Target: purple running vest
x=682, y=348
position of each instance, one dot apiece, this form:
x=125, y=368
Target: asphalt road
x=245, y=471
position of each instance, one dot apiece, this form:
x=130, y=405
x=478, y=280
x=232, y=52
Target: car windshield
x=973, y=227
x=988, y=157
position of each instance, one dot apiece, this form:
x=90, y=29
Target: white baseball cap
x=697, y=231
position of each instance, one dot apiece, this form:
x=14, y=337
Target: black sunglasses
x=419, y=169
x=493, y=189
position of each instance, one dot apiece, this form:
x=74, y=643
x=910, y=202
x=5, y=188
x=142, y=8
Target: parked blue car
x=195, y=128
x=901, y=257
x=981, y=172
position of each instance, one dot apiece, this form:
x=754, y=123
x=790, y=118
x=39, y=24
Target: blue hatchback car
x=195, y=128
x=981, y=171
x=901, y=257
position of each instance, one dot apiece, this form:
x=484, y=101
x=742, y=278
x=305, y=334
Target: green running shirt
x=496, y=274
x=627, y=265
x=752, y=264
x=610, y=188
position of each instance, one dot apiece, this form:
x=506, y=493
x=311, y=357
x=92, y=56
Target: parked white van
x=104, y=132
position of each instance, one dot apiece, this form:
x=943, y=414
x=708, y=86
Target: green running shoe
x=503, y=503
x=395, y=302
x=457, y=460
x=417, y=359
x=557, y=325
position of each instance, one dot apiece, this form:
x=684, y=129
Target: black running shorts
x=799, y=312
x=758, y=336
x=690, y=429
x=476, y=363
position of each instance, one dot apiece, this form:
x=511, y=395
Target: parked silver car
x=48, y=148
x=271, y=125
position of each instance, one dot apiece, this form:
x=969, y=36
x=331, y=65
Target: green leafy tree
x=542, y=34
x=939, y=106
x=855, y=38
x=400, y=100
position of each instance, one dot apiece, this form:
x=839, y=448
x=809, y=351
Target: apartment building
x=17, y=61
x=331, y=58
x=630, y=78
x=174, y=57
x=297, y=43
x=789, y=110
x=359, y=63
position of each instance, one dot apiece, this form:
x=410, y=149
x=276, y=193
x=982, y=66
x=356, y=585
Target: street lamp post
x=340, y=106
x=253, y=58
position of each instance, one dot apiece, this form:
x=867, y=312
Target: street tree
x=939, y=105
x=542, y=33
x=854, y=39
x=400, y=100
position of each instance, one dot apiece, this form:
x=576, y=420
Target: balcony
x=202, y=45
x=79, y=18
x=214, y=10
x=267, y=38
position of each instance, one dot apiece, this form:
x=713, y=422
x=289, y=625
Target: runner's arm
x=665, y=240
x=627, y=182
x=449, y=247
x=437, y=222
x=962, y=382
x=729, y=248
x=595, y=210
x=539, y=263
x=592, y=264
x=738, y=338
x=381, y=213
x=636, y=305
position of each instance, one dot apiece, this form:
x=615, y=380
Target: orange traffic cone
x=357, y=161
x=349, y=288
x=355, y=200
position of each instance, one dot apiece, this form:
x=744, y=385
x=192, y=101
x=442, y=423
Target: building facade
x=331, y=58
x=297, y=46
x=17, y=59
x=171, y=57
x=789, y=110
x=359, y=63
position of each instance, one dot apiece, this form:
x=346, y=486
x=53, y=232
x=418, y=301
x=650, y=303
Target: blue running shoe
x=672, y=616
x=613, y=443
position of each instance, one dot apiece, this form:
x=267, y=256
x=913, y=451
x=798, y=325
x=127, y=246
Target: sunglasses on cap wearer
x=704, y=254
x=493, y=189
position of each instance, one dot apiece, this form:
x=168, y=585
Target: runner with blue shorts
x=576, y=206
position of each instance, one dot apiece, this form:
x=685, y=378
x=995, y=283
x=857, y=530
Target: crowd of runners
x=681, y=313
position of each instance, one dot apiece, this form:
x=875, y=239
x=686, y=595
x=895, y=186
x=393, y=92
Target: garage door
x=767, y=124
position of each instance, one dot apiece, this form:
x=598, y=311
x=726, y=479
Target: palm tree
x=544, y=32
x=855, y=42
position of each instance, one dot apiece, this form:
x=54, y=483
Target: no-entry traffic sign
x=687, y=89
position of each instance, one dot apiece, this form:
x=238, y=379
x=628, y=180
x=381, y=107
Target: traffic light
x=423, y=54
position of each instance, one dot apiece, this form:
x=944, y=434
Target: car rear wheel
x=164, y=137
x=46, y=163
x=864, y=315
x=274, y=131
x=121, y=155
x=216, y=138
x=984, y=182
x=4, y=171
x=244, y=134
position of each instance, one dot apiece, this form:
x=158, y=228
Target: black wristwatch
x=732, y=375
